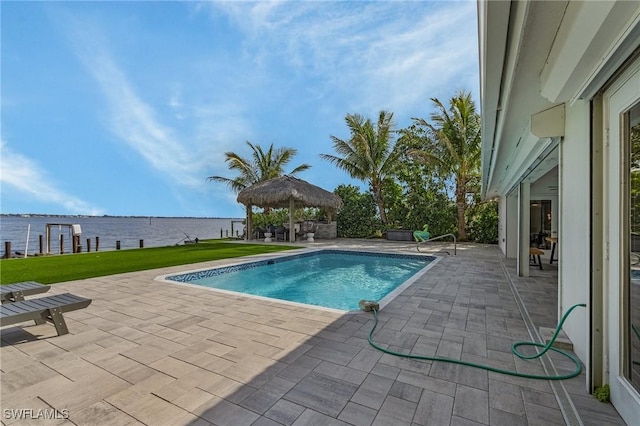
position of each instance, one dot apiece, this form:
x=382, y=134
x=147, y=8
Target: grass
x=59, y=268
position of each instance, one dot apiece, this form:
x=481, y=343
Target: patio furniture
x=280, y=233
x=49, y=308
x=533, y=253
x=16, y=292
x=554, y=243
x=399, y=235
x=307, y=227
x=258, y=234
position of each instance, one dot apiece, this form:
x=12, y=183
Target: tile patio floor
x=148, y=352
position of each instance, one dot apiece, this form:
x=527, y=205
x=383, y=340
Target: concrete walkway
x=148, y=352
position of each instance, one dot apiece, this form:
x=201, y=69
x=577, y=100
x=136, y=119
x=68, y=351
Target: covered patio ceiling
x=510, y=83
x=532, y=61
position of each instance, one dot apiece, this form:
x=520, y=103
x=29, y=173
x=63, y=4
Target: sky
x=125, y=108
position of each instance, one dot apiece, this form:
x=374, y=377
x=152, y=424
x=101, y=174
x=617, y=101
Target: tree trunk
x=377, y=196
x=461, y=204
x=383, y=214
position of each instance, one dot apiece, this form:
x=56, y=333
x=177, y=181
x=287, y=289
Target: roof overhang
x=535, y=56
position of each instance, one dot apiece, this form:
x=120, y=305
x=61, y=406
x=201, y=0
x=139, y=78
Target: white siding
x=502, y=225
x=574, y=240
x=512, y=226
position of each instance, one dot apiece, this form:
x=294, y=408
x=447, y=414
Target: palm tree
x=368, y=155
x=452, y=144
x=260, y=167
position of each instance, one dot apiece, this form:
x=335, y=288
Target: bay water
x=154, y=231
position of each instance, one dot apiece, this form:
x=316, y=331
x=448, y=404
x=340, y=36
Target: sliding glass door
x=622, y=242
x=631, y=135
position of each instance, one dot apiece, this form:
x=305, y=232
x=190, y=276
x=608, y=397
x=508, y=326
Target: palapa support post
x=292, y=229
x=249, y=227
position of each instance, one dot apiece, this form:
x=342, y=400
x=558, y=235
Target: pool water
x=335, y=279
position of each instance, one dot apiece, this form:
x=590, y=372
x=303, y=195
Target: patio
x=147, y=352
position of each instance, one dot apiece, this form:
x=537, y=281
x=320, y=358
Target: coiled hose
x=514, y=349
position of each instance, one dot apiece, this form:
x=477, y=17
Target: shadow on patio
x=155, y=353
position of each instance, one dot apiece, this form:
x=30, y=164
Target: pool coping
x=293, y=253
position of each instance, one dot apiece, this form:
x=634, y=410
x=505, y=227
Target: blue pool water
x=330, y=278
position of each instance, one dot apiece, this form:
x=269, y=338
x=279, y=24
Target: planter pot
x=399, y=235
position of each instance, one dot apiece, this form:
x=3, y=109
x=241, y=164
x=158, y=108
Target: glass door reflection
x=632, y=292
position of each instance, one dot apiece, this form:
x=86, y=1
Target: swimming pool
x=335, y=279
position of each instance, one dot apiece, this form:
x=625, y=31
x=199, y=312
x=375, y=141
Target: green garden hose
x=514, y=349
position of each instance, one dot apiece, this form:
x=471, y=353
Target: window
x=631, y=294
x=540, y=223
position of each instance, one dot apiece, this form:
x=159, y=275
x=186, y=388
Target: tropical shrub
x=603, y=393
x=357, y=218
x=277, y=217
x=420, y=196
x=483, y=223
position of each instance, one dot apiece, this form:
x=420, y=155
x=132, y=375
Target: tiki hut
x=286, y=192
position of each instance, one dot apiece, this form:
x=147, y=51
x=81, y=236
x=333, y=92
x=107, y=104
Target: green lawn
x=59, y=268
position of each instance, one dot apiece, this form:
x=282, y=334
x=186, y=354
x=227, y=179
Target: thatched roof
x=280, y=191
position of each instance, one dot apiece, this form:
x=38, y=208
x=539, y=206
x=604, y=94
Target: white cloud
x=185, y=153
x=131, y=119
x=392, y=55
x=176, y=104
x=26, y=176
x=135, y=122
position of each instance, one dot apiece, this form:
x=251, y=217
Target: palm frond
x=262, y=165
x=300, y=168
x=236, y=185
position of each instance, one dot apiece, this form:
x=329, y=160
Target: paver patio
x=148, y=352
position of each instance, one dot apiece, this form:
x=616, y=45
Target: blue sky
x=124, y=108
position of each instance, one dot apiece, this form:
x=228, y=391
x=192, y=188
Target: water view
x=154, y=231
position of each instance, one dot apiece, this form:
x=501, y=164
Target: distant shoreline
x=114, y=216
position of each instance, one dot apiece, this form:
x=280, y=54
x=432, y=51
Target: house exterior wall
x=502, y=224
x=508, y=226
x=574, y=236
x=536, y=57
x=512, y=226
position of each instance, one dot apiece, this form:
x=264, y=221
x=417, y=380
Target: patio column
x=511, y=223
x=249, y=224
x=292, y=229
x=524, y=200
